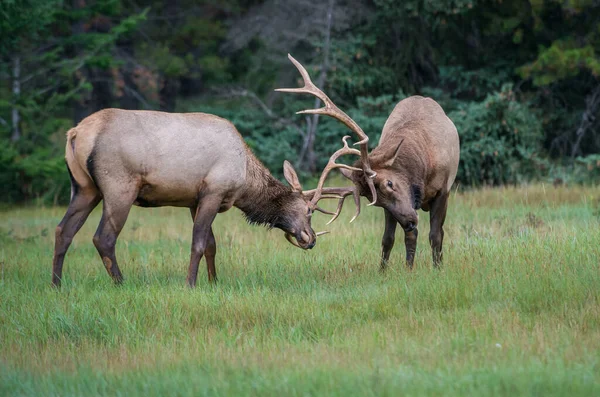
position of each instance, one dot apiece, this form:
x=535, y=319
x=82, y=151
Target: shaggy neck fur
x=264, y=198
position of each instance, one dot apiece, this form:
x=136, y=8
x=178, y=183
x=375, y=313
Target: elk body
x=416, y=163
x=413, y=167
x=192, y=160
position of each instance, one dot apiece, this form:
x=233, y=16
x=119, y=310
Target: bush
x=41, y=175
x=9, y=175
x=586, y=169
x=500, y=140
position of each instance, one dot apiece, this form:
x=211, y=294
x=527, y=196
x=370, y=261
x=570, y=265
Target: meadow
x=515, y=309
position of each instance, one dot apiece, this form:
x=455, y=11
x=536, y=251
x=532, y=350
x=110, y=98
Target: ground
x=515, y=309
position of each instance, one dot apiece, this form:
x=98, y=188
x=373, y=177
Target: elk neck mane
x=264, y=197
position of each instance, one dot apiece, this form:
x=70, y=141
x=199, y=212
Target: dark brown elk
x=192, y=160
x=413, y=167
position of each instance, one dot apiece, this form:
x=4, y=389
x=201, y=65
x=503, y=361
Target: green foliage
x=162, y=59
x=500, y=140
x=190, y=50
x=215, y=68
x=24, y=21
x=562, y=60
x=427, y=9
x=355, y=72
x=77, y=57
x=41, y=176
x=589, y=167
x=474, y=84
x=53, y=78
x=372, y=112
x=9, y=177
x=584, y=170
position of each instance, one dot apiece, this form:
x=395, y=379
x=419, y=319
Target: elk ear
x=291, y=176
x=390, y=160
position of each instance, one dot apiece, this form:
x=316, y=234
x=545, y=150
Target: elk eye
x=390, y=184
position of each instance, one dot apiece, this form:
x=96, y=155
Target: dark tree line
x=519, y=78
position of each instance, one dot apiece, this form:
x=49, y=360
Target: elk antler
x=339, y=193
x=335, y=192
x=330, y=109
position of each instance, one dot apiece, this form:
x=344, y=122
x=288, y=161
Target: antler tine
x=345, y=191
x=317, y=208
x=356, y=197
x=330, y=109
x=341, y=193
x=320, y=192
x=331, y=164
x=309, y=86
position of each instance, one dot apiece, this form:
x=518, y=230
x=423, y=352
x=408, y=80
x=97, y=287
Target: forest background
x=518, y=78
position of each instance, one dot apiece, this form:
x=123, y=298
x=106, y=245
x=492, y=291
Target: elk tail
x=78, y=172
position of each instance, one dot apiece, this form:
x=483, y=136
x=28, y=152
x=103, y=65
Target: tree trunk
x=81, y=106
x=308, y=157
x=588, y=118
x=170, y=84
x=128, y=99
x=168, y=94
x=102, y=89
x=16, y=91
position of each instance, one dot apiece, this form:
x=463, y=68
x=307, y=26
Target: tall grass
x=514, y=310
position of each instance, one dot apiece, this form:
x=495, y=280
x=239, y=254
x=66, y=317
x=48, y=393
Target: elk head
x=340, y=193
x=384, y=188
x=295, y=217
x=395, y=192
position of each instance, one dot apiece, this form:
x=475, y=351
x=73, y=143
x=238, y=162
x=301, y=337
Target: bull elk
x=413, y=167
x=192, y=160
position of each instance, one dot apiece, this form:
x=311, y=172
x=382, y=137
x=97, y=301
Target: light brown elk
x=413, y=167
x=192, y=160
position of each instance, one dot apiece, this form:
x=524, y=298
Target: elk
x=413, y=167
x=193, y=160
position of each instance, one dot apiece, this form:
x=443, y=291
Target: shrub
x=500, y=140
x=41, y=175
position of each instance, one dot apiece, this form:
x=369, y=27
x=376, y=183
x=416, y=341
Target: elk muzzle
x=303, y=239
x=408, y=219
x=409, y=223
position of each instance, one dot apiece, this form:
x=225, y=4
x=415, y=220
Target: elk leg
x=81, y=205
x=202, y=242
x=410, y=242
x=389, y=236
x=436, y=234
x=211, y=252
x=114, y=215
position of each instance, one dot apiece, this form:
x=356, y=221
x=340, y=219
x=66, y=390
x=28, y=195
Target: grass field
x=515, y=310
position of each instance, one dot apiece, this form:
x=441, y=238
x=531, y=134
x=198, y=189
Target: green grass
x=515, y=310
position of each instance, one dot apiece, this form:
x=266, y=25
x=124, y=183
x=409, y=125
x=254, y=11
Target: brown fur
x=153, y=159
x=418, y=153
